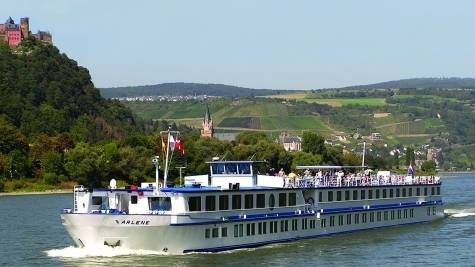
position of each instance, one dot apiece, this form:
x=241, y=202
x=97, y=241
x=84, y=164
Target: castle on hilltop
x=13, y=34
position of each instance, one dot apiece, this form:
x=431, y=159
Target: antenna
x=225, y=155
x=157, y=167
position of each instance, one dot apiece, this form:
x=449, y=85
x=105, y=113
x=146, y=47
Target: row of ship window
x=344, y=195
x=306, y=223
x=260, y=228
x=251, y=201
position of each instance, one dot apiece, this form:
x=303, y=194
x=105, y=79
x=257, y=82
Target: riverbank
x=47, y=192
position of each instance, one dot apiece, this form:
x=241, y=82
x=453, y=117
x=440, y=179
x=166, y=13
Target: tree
x=396, y=159
x=52, y=162
x=85, y=164
x=5, y=166
x=11, y=138
x=428, y=166
x=304, y=158
x=19, y=164
x=251, y=138
x=410, y=157
x=313, y=143
x=351, y=159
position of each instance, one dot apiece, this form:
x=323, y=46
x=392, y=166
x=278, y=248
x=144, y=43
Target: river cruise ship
x=235, y=207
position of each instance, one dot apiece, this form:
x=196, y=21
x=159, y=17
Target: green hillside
x=44, y=92
x=253, y=114
x=55, y=128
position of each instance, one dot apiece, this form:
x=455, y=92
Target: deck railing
x=353, y=181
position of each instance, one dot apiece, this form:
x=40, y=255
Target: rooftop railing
x=307, y=181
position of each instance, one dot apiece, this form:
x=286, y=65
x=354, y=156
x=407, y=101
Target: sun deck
x=358, y=181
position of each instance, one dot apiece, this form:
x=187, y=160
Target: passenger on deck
x=281, y=172
x=306, y=172
x=339, y=177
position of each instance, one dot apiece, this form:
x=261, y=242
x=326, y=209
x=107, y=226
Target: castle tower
x=25, y=28
x=207, y=130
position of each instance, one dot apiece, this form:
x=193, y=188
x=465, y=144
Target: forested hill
x=420, y=83
x=177, y=89
x=44, y=92
x=180, y=89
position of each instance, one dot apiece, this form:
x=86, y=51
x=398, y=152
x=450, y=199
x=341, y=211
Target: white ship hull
x=159, y=233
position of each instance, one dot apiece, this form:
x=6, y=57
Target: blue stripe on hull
x=259, y=244
x=273, y=216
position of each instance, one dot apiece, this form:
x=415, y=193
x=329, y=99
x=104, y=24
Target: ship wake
x=460, y=213
x=102, y=251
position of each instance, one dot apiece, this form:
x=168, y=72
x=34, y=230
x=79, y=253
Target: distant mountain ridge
x=452, y=82
x=181, y=88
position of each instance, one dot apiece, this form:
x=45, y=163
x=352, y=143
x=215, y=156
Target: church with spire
x=207, y=130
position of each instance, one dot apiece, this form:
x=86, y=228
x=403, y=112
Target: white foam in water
x=460, y=213
x=102, y=251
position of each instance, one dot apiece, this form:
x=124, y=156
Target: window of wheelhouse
x=133, y=199
x=282, y=199
x=231, y=168
x=217, y=168
x=160, y=203
x=330, y=196
x=244, y=168
x=236, y=202
x=100, y=202
x=249, y=201
x=210, y=203
x=338, y=195
x=223, y=202
x=194, y=203
x=260, y=201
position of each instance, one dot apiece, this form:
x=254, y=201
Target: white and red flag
x=179, y=145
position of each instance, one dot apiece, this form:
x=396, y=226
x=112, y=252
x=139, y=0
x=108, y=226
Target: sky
x=258, y=43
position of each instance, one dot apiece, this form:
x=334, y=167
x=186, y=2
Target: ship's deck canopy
x=232, y=167
x=327, y=167
x=205, y=189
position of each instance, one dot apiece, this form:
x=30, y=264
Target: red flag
x=179, y=145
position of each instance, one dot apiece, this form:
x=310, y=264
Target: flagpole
x=364, y=151
x=166, y=160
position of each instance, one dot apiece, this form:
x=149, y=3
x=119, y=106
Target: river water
x=31, y=234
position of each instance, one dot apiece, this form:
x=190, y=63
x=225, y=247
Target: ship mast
x=169, y=152
x=166, y=159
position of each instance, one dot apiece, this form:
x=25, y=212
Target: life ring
x=310, y=200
